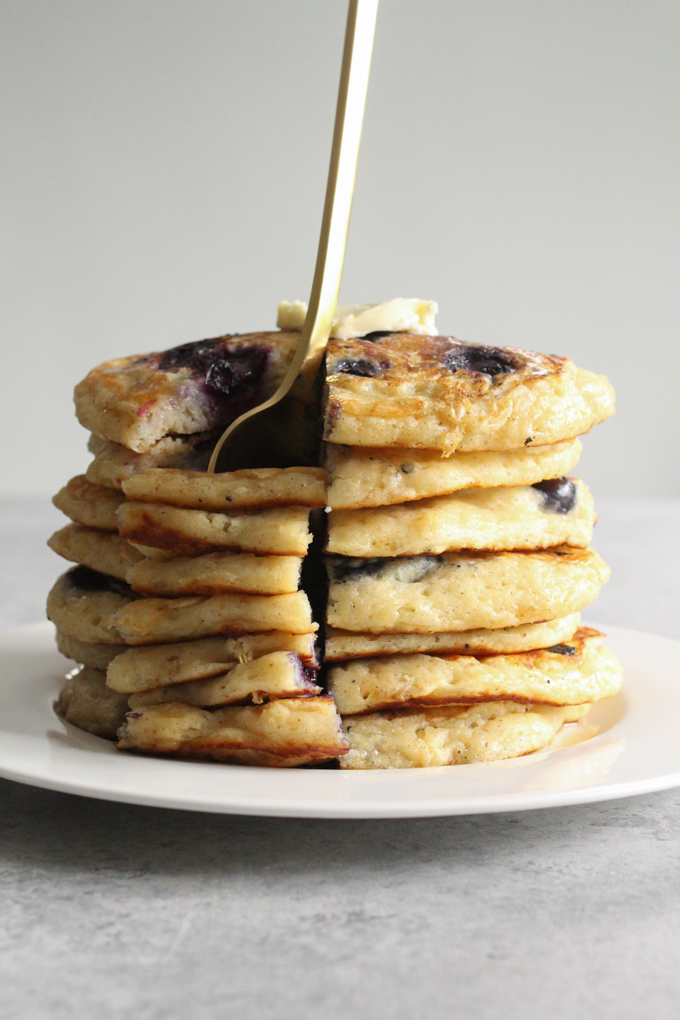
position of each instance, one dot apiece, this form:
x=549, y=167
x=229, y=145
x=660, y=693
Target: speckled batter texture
x=455, y=735
x=519, y=517
x=346, y=644
x=360, y=477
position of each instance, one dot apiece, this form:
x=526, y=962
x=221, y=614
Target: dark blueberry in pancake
x=85, y=579
x=223, y=371
x=344, y=568
x=559, y=495
x=491, y=361
x=405, y=569
x=377, y=335
x=562, y=649
x=368, y=367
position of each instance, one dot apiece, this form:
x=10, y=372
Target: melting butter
x=401, y=315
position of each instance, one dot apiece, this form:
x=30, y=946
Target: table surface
x=111, y=910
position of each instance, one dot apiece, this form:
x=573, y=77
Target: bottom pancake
x=282, y=734
x=456, y=735
x=86, y=702
x=565, y=674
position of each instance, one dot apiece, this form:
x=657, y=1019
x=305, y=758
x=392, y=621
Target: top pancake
x=196, y=387
x=438, y=393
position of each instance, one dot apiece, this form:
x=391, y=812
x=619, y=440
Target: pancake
x=252, y=488
x=158, y=621
x=438, y=393
x=82, y=603
x=559, y=512
x=281, y=531
x=362, y=476
x=86, y=702
x=215, y=573
x=146, y=668
x=196, y=387
x=102, y=551
x=92, y=505
x=566, y=674
x=461, y=591
x=277, y=675
x=345, y=644
x=113, y=464
x=455, y=735
x=86, y=653
x=282, y=734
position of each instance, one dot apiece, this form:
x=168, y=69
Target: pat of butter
x=401, y=315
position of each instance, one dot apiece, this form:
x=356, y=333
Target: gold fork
x=252, y=438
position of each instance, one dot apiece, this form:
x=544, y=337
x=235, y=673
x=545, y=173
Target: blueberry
x=491, y=361
x=345, y=568
x=562, y=649
x=368, y=367
x=85, y=579
x=377, y=335
x=222, y=370
x=559, y=495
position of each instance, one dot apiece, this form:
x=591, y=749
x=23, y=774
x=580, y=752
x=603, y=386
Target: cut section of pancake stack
x=458, y=550
x=185, y=610
x=457, y=555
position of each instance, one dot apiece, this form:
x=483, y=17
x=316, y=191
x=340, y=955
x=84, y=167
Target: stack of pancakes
x=185, y=611
x=457, y=553
x=458, y=550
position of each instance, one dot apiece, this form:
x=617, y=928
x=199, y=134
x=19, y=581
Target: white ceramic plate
x=627, y=745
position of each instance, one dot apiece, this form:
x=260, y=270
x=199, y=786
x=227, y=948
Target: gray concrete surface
x=112, y=911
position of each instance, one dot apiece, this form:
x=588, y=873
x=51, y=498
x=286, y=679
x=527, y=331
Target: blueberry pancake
x=556, y=512
x=103, y=551
x=346, y=644
x=280, y=531
x=362, y=476
x=92, y=505
x=82, y=603
x=461, y=591
x=86, y=702
x=277, y=675
x=452, y=735
x=159, y=621
x=250, y=488
x=283, y=733
x=196, y=387
x=215, y=573
x=437, y=393
x=113, y=464
x=148, y=667
x=574, y=673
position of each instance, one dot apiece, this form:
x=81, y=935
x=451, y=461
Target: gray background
x=164, y=170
